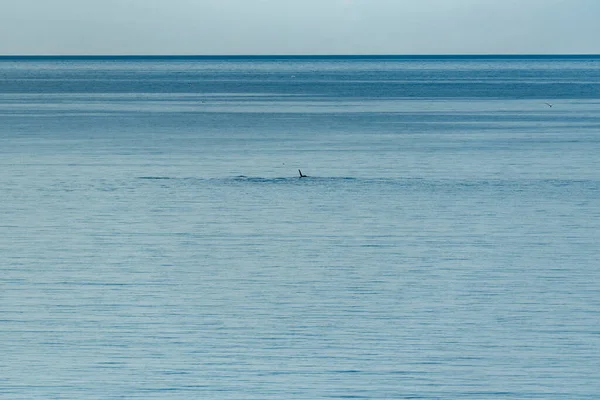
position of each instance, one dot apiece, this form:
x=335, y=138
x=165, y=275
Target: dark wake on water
x=255, y=179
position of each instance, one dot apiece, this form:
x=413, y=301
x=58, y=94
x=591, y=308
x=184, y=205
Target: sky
x=227, y=27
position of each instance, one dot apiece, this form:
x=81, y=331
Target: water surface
x=156, y=241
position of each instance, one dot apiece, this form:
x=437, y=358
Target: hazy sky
x=299, y=26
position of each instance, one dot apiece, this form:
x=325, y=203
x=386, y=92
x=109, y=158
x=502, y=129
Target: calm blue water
x=157, y=243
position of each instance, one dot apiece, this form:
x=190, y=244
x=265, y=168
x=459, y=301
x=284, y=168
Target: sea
x=158, y=242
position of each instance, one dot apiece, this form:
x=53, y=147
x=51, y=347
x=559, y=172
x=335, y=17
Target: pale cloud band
x=299, y=27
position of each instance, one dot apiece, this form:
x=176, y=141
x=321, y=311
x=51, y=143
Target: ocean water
x=156, y=241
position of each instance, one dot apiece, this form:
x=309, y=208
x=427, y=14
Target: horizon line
x=298, y=56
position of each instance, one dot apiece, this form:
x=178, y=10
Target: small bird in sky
x=548, y=104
